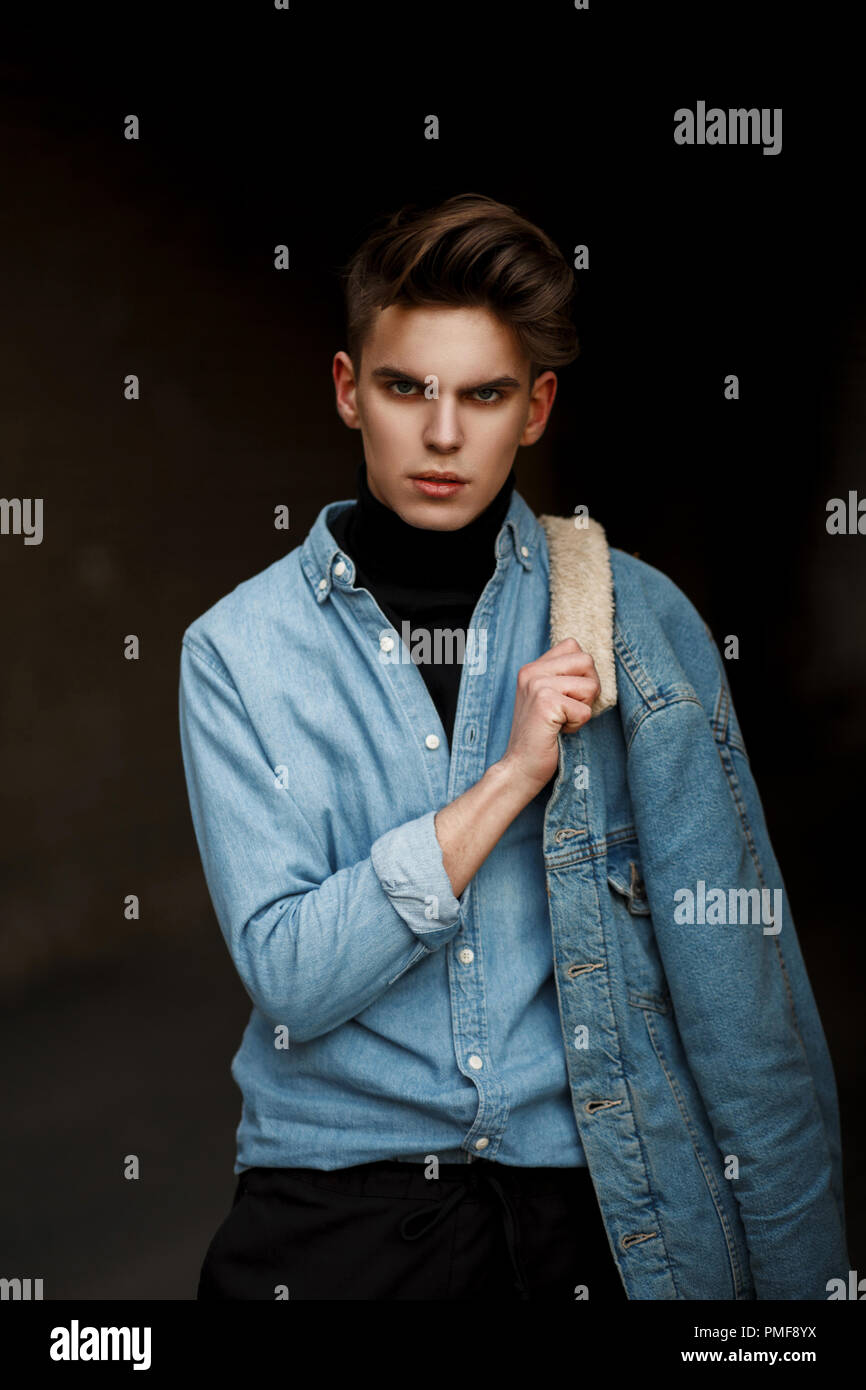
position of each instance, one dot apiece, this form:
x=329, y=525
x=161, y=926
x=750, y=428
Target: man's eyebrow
x=388, y=370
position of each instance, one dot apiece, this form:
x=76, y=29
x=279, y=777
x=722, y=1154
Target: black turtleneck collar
x=432, y=579
x=388, y=550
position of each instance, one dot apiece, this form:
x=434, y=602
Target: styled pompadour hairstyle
x=469, y=250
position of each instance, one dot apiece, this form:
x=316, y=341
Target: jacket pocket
x=644, y=974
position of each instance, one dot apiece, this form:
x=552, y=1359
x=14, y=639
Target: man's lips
x=435, y=477
x=438, y=484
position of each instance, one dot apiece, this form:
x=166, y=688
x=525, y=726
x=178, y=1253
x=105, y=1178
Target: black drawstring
x=435, y=1212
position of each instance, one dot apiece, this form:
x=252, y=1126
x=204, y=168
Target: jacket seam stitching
x=631, y=664
x=708, y=1177
x=610, y=1008
x=734, y=784
x=658, y=709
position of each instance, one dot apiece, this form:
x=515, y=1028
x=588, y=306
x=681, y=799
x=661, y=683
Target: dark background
x=156, y=258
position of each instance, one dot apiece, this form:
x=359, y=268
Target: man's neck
x=387, y=548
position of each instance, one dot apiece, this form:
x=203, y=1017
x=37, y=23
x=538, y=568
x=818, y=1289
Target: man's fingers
x=582, y=688
x=567, y=657
x=579, y=713
x=566, y=660
x=571, y=643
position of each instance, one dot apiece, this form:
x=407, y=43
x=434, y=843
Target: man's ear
x=542, y=393
x=346, y=387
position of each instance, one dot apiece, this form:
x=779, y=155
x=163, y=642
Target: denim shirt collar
x=520, y=532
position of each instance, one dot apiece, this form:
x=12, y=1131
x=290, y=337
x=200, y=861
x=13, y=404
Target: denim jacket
x=389, y=1021
x=702, y=1085
x=698, y=1072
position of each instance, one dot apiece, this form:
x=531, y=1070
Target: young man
x=486, y=1057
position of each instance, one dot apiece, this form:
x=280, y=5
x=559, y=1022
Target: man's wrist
x=511, y=783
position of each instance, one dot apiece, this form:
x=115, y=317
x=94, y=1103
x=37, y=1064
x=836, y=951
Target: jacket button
x=432, y=740
x=481, y=1143
x=475, y=1062
x=340, y=567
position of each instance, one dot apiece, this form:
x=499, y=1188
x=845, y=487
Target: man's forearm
x=468, y=827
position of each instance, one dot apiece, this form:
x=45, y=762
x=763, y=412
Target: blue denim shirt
x=390, y=1019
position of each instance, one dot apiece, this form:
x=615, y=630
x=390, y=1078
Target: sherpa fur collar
x=581, y=594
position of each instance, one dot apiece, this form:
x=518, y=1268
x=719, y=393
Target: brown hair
x=470, y=250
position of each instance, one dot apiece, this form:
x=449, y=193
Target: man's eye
x=486, y=395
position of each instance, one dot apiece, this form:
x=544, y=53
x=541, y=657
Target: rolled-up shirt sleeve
x=408, y=862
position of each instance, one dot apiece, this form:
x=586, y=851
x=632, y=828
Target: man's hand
x=554, y=696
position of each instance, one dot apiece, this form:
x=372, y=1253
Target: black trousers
x=382, y=1230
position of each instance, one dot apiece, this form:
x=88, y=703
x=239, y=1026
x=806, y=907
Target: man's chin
x=433, y=513
x=437, y=516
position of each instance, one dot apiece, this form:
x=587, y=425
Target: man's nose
x=442, y=428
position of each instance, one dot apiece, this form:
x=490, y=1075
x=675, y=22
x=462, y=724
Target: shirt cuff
x=408, y=863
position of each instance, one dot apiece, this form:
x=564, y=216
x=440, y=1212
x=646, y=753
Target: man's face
x=442, y=390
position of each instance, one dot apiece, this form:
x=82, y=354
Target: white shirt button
x=466, y=956
x=386, y=643
x=340, y=567
x=475, y=1062
x=323, y=583
x=481, y=1143
x=523, y=550
x=432, y=740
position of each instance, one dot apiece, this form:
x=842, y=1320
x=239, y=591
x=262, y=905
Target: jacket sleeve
x=312, y=947
x=740, y=992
